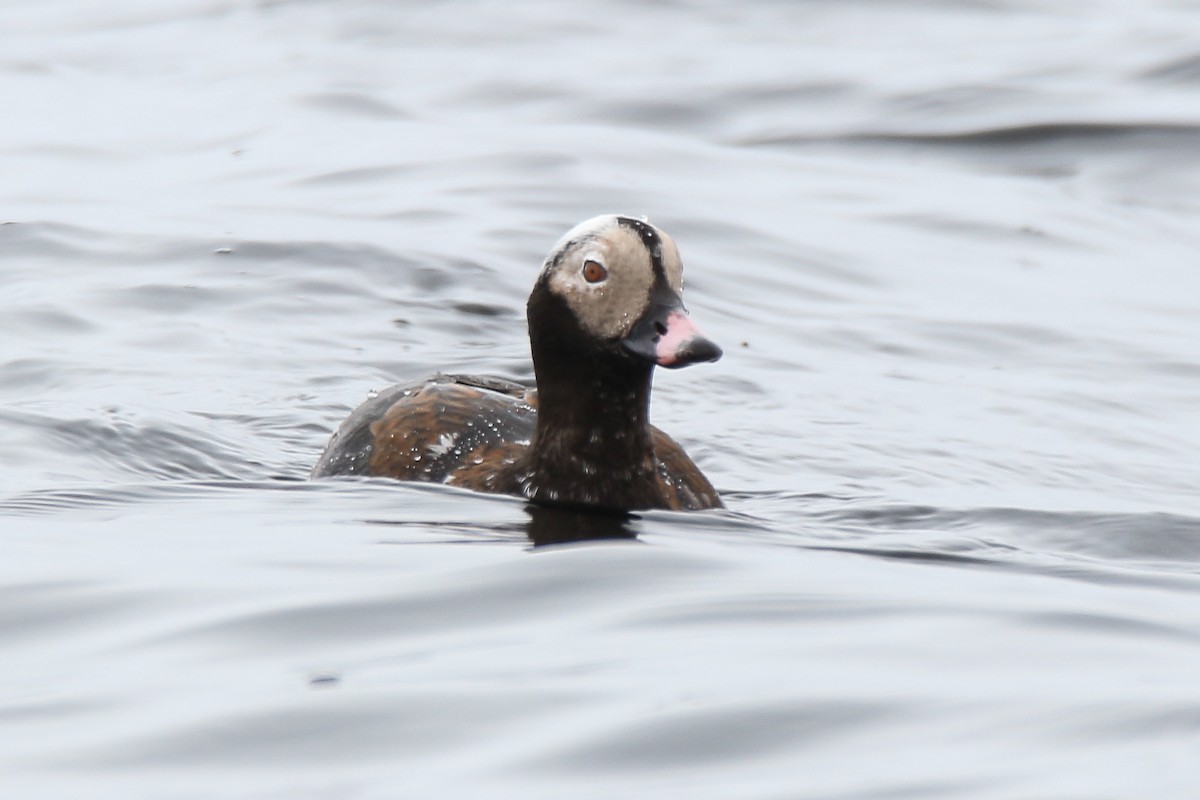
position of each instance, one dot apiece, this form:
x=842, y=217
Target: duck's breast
x=682, y=484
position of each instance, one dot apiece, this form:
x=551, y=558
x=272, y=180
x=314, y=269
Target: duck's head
x=618, y=282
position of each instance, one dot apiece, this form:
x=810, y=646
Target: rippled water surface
x=951, y=250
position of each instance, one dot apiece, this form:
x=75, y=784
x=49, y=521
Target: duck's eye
x=594, y=271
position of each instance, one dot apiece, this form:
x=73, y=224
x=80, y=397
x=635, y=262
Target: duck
x=605, y=310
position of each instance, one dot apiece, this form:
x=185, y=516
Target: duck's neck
x=592, y=445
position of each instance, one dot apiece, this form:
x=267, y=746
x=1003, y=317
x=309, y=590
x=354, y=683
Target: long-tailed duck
x=605, y=310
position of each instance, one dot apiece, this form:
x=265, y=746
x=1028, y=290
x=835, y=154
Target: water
x=949, y=248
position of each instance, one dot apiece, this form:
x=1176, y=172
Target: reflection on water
x=549, y=525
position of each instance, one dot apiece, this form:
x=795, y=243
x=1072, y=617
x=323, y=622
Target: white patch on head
x=609, y=308
x=588, y=228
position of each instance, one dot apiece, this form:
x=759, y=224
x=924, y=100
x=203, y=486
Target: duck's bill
x=669, y=338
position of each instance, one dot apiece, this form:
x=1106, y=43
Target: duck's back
x=459, y=429
x=474, y=432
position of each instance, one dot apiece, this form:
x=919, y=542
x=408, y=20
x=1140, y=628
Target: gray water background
x=950, y=249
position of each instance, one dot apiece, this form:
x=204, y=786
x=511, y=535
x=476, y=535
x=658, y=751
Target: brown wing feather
x=431, y=431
